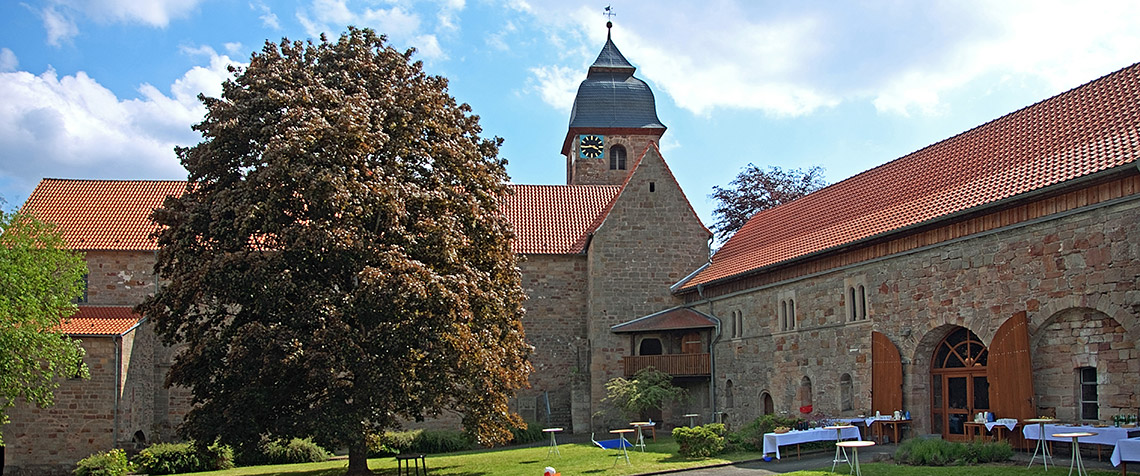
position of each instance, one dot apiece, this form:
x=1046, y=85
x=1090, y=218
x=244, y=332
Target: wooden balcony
x=677, y=365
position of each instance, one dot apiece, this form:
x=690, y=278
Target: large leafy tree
x=39, y=280
x=755, y=190
x=338, y=263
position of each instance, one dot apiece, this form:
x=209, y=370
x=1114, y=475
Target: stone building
x=124, y=404
x=997, y=270
x=600, y=250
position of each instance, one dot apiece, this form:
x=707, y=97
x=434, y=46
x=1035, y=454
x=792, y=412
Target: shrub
x=936, y=452
x=418, y=441
x=172, y=458
x=530, y=434
x=751, y=436
x=297, y=450
x=110, y=463
x=702, y=441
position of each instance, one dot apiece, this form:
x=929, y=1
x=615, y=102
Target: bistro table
x=1076, y=450
x=855, y=445
x=692, y=419
x=1126, y=450
x=773, y=441
x=553, y=442
x=640, y=426
x=621, y=432
x=975, y=430
x=894, y=424
x=1040, y=436
x=839, y=450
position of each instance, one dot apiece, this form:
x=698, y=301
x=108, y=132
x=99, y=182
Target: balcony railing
x=677, y=365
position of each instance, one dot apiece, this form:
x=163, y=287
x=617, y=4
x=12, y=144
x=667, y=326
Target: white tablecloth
x=1104, y=436
x=1006, y=422
x=1126, y=450
x=773, y=441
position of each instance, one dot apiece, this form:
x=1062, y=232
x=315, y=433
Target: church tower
x=614, y=118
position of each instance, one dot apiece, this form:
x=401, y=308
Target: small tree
x=39, y=279
x=755, y=190
x=338, y=264
x=649, y=389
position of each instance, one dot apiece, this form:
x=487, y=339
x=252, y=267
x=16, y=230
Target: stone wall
x=597, y=171
x=650, y=240
x=119, y=278
x=1075, y=274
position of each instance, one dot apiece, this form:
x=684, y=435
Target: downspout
x=118, y=342
x=712, y=354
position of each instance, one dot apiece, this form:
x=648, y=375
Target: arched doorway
x=959, y=387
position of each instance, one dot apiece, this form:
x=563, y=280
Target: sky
x=108, y=88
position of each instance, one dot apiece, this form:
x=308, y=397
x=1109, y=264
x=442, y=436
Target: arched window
x=728, y=394
x=846, y=393
x=803, y=396
x=650, y=346
x=852, y=312
x=617, y=158
x=862, y=302
x=766, y=403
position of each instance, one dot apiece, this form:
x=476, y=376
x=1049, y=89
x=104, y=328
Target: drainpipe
x=118, y=344
x=712, y=353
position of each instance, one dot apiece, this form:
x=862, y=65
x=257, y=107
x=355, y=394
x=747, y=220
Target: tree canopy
x=755, y=190
x=39, y=280
x=338, y=264
x=649, y=389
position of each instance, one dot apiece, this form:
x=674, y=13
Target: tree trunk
x=358, y=460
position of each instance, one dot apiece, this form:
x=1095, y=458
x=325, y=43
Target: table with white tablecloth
x=773, y=441
x=1127, y=450
x=1104, y=435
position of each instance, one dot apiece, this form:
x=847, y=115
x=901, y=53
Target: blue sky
x=107, y=88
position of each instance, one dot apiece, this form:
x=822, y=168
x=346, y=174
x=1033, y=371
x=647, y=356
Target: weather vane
x=609, y=12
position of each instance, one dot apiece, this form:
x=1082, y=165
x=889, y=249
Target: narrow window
x=791, y=314
x=783, y=317
x=846, y=393
x=804, y=395
x=766, y=401
x=851, y=311
x=862, y=302
x=728, y=394
x=1090, y=410
x=739, y=324
x=617, y=158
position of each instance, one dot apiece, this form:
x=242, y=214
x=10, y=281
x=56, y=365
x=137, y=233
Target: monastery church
x=997, y=270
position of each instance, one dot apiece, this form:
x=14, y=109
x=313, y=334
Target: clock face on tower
x=590, y=146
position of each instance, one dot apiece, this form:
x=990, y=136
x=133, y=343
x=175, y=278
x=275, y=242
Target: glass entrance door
x=959, y=385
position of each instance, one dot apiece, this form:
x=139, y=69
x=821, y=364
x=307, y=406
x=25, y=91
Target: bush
x=702, y=441
x=937, y=452
x=751, y=436
x=297, y=450
x=172, y=458
x=530, y=434
x=111, y=463
x=418, y=441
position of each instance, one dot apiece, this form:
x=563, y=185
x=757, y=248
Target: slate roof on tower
x=1084, y=133
x=611, y=97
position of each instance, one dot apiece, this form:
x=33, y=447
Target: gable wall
x=649, y=241
x=597, y=171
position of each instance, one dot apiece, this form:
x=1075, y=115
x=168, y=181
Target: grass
x=586, y=459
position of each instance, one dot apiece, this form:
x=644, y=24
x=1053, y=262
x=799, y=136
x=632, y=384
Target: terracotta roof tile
x=1090, y=129
x=102, y=214
x=100, y=320
x=556, y=219
x=667, y=320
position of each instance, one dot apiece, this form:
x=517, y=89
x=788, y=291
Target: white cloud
x=60, y=28
x=8, y=61
x=72, y=126
x=403, y=25
x=556, y=85
x=234, y=48
x=268, y=18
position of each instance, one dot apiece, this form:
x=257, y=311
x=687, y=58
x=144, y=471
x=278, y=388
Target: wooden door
x=886, y=375
x=691, y=344
x=1011, y=370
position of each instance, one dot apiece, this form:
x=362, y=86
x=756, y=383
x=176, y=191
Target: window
x=856, y=302
x=803, y=395
x=650, y=346
x=737, y=325
x=787, y=317
x=1090, y=410
x=846, y=393
x=766, y=401
x=728, y=394
x=617, y=158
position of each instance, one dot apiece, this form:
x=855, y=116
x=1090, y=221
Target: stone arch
x=1048, y=310
x=767, y=405
x=1083, y=337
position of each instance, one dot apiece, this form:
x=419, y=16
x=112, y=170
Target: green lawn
x=579, y=459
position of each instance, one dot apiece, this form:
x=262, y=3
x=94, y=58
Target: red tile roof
x=100, y=320
x=1090, y=129
x=102, y=214
x=556, y=219
x=667, y=320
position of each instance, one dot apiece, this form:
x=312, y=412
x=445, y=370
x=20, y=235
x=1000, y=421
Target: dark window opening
x=1090, y=408
x=650, y=347
x=617, y=158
